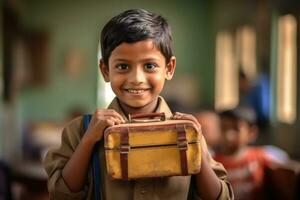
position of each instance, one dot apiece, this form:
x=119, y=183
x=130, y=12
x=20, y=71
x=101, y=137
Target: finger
x=176, y=115
x=100, y=113
x=99, y=121
x=192, y=118
x=109, y=122
x=116, y=114
x=179, y=115
x=103, y=124
x=113, y=119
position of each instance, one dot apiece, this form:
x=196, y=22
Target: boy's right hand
x=101, y=119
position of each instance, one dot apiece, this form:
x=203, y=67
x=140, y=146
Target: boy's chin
x=132, y=103
x=139, y=105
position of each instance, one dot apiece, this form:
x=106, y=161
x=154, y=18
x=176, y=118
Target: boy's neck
x=149, y=108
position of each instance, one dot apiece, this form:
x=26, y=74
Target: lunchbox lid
x=151, y=133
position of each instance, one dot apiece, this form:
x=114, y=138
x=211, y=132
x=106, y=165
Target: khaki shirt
x=167, y=188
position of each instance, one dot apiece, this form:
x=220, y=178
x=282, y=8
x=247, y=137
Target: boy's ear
x=171, y=68
x=104, y=70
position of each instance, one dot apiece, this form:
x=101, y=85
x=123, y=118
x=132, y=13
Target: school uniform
x=165, y=188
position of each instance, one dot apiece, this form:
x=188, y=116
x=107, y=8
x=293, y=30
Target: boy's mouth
x=136, y=91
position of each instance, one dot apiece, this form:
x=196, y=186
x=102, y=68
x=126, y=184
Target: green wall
x=77, y=24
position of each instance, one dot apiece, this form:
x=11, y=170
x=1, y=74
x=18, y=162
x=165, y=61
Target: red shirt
x=246, y=172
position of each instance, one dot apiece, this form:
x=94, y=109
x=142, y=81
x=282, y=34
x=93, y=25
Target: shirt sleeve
x=226, y=189
x=55, y=161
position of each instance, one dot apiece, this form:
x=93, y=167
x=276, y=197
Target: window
x=246, y=50
x=226, y=78
x=287, y=69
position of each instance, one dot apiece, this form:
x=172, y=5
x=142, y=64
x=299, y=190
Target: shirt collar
x=162, y=107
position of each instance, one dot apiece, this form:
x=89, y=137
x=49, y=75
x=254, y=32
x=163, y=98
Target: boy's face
x=137, y=72
x=236, y=134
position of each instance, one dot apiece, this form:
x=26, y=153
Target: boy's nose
x=137, y=76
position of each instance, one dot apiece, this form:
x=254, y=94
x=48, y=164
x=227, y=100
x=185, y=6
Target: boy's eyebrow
x=121, y=60
x=143, y=60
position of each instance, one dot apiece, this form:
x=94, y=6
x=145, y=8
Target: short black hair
x=136, y=25
x=244, y=113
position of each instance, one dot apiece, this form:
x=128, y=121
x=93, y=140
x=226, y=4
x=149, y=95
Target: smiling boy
x=136, y=59
x=137, y=73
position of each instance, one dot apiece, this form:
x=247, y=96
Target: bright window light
x=104, y=92
x=226, y=78
x=287, y=69
x=246, y=50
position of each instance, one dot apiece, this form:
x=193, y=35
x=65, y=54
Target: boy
x=246, y=165
x=136, y=59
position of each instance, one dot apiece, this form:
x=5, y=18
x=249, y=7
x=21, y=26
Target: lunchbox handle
x=147, y=117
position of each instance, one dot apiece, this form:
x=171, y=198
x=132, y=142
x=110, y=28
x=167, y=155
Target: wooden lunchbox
x=150, y=145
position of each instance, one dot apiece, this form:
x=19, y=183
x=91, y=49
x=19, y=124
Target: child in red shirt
x=245, y=164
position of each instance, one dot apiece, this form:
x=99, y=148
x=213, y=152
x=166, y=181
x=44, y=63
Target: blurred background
x=228, y=52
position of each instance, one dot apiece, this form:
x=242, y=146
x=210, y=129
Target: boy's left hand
x=207, y=183
x=179, y=115
x=184, y=116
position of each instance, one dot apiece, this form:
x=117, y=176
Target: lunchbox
x=149, y=145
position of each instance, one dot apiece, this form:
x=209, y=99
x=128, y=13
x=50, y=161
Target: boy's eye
x=149, y=66
x=122, y=66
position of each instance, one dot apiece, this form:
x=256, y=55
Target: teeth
x=136, y=91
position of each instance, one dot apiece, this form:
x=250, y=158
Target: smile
x=136, y=91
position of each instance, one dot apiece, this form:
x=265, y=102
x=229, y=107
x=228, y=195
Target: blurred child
x=245, y=164
x=137, y=59
x=210, y=125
